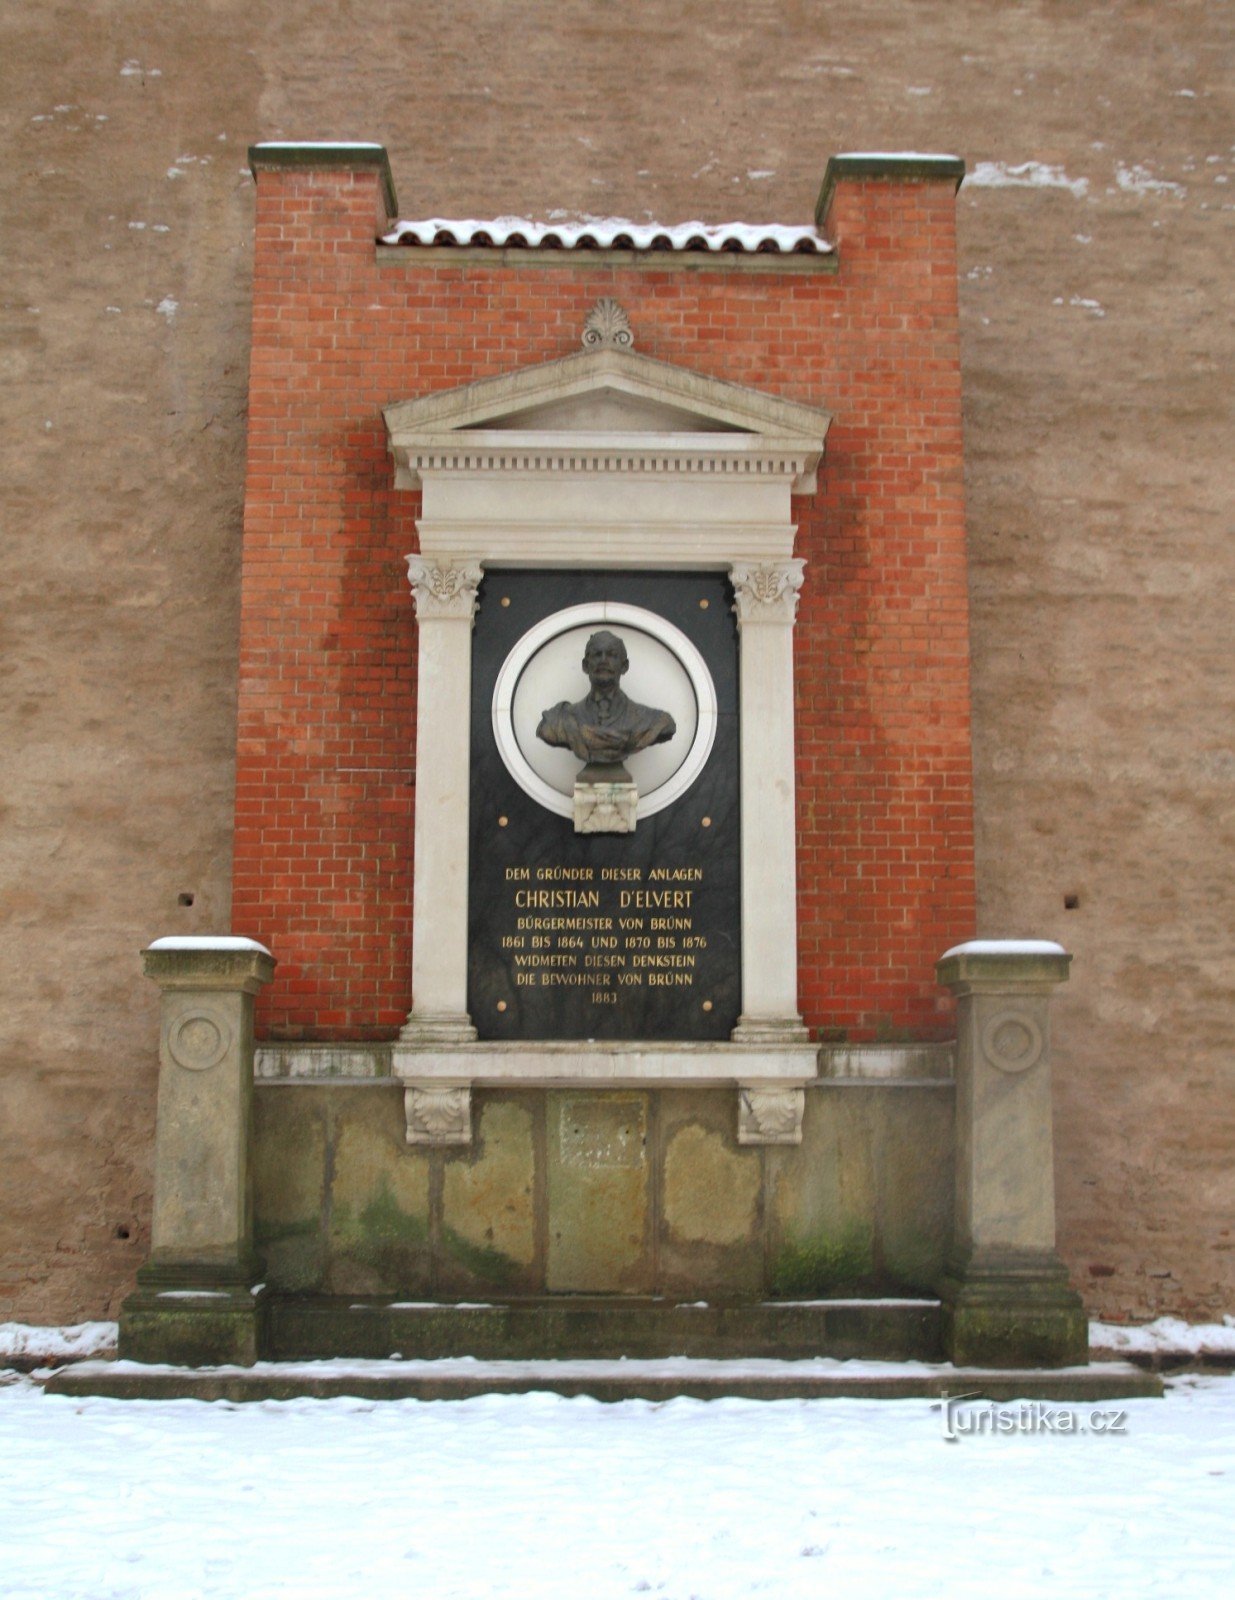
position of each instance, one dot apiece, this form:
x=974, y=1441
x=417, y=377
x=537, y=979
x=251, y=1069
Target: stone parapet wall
x=587, y=1191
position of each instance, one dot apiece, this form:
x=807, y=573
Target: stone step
x=602, y=1328
x=604, y=1380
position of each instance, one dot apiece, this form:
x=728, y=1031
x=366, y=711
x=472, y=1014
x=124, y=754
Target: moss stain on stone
x=822, y=1265
x=381, y=1234
x=293, y=1253
x=489, y=1265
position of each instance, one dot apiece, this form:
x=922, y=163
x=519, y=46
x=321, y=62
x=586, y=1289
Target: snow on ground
x=1168, y=1335
x=28, y=1343
x=537, y=1496
x=540, y=1496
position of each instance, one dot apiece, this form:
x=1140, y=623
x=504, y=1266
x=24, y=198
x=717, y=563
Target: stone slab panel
x=598, y=1171
x=289, y=1185
x=710, y=1213
x=822, y=1197
x=913, y=1132
x=488, y=1226
x=378, y=1237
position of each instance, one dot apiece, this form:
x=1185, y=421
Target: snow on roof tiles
x=609, y=233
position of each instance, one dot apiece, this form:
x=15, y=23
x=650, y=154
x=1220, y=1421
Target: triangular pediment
x=611, y=400
x=611, y=410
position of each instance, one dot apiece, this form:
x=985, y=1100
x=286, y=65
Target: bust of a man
x=606, y=726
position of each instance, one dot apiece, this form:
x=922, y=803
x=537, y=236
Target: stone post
x=195, y=1303
x=765, y=598
x=1005, y=1292
x=445, y=593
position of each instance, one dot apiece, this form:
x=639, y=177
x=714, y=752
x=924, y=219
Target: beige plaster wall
x=1100, y=485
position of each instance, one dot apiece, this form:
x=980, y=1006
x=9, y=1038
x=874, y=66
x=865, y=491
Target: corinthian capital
x=443, y=587
x=766, y=591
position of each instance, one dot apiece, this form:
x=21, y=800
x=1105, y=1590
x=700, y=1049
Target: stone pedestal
x=1005, y=1292
x=198, y=1300
x=605, y=807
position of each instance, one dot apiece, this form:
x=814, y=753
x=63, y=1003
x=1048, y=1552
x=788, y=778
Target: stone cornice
x=655, y=454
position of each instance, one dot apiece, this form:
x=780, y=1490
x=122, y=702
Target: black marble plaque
x=604, y=936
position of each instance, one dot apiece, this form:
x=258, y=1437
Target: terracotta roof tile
x=608, y=233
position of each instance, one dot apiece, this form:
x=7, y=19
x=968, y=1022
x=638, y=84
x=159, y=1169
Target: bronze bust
x=606, y=726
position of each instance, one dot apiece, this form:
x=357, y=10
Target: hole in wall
x=122, y=1232
x=1071, y=902
x=185, y=899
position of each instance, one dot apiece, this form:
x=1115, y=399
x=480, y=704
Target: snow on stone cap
x=318, y=144
x=895, y=155
x=207, y=941
x=1005, y=947
x=609, y=233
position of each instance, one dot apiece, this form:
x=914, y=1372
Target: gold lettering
x=549, y=899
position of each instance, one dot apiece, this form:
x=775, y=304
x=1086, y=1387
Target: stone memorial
x=606, y=893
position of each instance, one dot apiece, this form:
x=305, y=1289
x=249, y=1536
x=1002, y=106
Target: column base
x=770, y=1030
x=1012, y=1309
x=438, y=1027
x=189, y=1315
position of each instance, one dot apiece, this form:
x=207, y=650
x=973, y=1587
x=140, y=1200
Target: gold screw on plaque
x=501, y=1005
x=706, y=823
x=703, y=605
x=502, y=821
x=707, y=1005
x=505, y=599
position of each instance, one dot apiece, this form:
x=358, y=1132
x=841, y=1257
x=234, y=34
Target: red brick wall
x=325, y=770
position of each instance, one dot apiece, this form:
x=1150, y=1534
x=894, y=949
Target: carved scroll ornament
x=765, y=591
x=438, y=1115
x=607, y=324
x=443, y=588
x=770, y=1115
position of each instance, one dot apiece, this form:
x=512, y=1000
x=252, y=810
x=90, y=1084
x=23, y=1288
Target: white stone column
x=445, y=593
x=766, y=603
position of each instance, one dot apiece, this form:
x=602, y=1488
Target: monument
x=629, y=992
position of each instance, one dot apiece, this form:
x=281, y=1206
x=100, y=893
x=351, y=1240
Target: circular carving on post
x=199, y=1039
x=1012, y=1041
